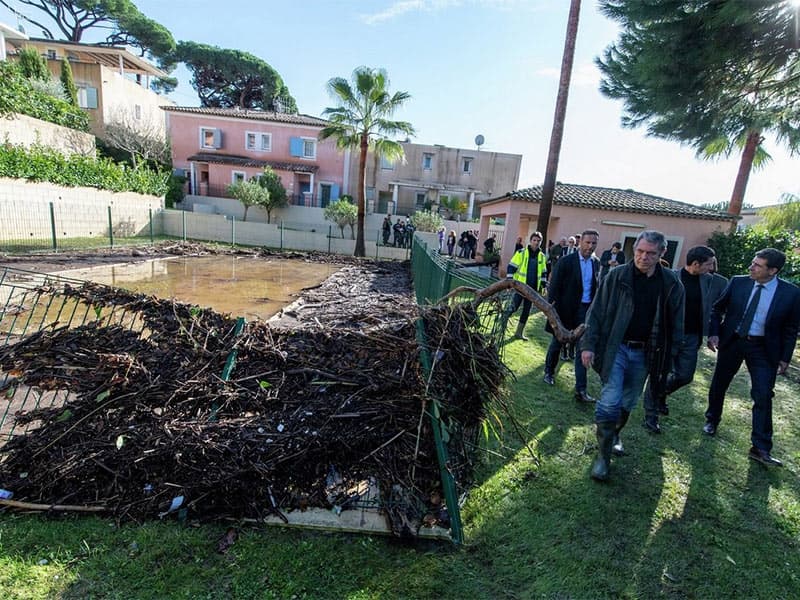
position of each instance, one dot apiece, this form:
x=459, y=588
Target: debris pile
x=316, y=404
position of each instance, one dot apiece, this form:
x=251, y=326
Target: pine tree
x=715, y=74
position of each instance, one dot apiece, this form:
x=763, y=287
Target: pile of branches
x=151, y=427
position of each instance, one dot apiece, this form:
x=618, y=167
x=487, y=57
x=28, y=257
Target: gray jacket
x=611, y=312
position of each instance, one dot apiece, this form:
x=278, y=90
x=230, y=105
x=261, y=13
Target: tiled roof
x=253, y=115
x=246, y=161
x=630, y=201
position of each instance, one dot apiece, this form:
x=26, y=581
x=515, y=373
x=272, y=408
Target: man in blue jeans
x=633, y=329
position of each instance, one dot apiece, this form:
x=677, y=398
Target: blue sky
x=472, y=67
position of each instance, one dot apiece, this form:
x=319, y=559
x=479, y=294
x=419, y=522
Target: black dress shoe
x=582, y=396
x=710, y=428
x=764, y=457
x=549, y=379
x=651, y=424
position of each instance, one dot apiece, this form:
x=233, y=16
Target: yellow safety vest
x=520, y=261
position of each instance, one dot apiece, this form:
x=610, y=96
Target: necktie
x=747, y=319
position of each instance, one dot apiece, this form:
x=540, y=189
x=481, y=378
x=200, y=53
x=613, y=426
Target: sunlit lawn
x=684, y=516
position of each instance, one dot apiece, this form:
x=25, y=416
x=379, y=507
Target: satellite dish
x=479, y=141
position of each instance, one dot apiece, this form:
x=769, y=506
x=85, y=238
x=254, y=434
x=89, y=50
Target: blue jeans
x=624, y=385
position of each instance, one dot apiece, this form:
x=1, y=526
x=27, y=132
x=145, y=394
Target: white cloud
x=402, y=7
x=584, y=75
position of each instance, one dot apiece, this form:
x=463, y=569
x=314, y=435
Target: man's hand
x=713, y=342
x=782, y=366
x=587, y=356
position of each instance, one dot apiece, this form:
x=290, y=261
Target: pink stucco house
x=618, y=215
x=218, y=146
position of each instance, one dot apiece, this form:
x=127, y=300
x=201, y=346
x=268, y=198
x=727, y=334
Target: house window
x=137, y=112
x=210, y=138
x=237, y=176
x=87, y=97
x=51, y=54
x=303, y=147
x=427, y=161
x=466, y=166
x=386, y=164
x=420, y=199
x=258, y=142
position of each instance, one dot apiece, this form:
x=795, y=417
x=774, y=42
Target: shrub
x=425, y=220
x=343, y=213
x=735, y=250
x=17, y=95
x=40, y=163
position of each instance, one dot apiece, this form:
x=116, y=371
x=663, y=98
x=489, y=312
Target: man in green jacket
x=528, y=266
x=633, y=329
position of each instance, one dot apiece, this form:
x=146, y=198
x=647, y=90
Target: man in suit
x=571, y=290
x=611, y=258
x=755, y=321
x=701, y=293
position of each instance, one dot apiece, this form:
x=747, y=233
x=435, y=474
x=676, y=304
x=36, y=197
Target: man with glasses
x=755, y=321
x=632, y=331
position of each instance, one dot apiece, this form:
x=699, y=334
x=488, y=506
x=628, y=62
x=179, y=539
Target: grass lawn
x=684, y=516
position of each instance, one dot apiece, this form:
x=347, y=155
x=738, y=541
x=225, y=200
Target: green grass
x=684, y=516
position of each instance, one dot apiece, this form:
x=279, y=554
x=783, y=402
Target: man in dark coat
x=755, y=321
x=611, y=258
x=701, y=293
x=632, y=330
x=571, y=290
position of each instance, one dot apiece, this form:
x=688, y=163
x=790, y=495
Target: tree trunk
x=362, y=196
x=244, y=218
x=549, y=187
x=745, y=166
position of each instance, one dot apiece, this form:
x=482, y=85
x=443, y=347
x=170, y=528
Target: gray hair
x=652, y=237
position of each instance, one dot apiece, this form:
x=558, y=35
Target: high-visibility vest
x=520, y=261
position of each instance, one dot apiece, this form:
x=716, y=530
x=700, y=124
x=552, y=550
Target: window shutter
x=334, y=192
x=217, y=138
x=91, y=97
x=296, y=146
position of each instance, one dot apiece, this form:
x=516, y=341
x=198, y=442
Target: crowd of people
x=645, y=324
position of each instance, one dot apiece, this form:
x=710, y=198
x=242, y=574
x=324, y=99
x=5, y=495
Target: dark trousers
x=762, y=383
x=554, y=350
x=681, y=374
x=526, y=308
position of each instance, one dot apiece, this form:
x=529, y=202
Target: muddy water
x=243, y=286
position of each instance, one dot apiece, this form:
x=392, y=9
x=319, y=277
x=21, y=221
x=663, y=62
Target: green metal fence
x=31, y=302
x=436, y=275
x=51, y=226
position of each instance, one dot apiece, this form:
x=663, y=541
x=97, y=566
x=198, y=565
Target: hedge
x=40, y=163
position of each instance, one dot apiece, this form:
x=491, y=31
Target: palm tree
x=362, y=121
x=549, y=186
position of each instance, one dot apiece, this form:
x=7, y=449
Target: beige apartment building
x=113, y=84
x=431, y=173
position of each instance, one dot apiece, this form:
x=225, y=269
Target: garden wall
x=22, y=130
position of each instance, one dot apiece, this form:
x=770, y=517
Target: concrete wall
x=78, y=212
x=305, y=217
x=222, y=229
x=22, y=130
